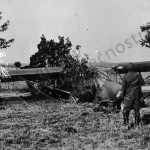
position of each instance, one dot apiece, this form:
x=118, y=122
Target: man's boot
x=137, y=120
x=126, y=119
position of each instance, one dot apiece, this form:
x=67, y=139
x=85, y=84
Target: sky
x=107, y=30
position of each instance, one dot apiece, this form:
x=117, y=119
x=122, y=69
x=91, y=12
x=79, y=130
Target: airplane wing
x=32, y=73
x=138, y=66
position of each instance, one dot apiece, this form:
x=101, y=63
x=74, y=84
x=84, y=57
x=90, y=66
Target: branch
x=145, y=27
x=4, y=26
x=4, y=43
x=147, y=45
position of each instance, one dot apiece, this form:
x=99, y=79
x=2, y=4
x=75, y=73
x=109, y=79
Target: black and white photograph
x=74, y=75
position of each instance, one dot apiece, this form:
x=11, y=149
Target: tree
x=50, y=53
x=146, y=41
x=17, y=64
x=62, y=54
x=4, y=44
x=3, y=27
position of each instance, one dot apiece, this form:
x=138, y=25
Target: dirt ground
x=49, y=125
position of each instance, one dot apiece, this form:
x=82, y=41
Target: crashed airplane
x=106, y=86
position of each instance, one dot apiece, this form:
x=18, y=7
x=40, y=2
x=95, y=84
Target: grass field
x=49, y=125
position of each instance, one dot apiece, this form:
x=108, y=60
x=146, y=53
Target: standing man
x=131, y=92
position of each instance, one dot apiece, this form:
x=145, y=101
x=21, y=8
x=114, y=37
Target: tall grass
x=18, y=85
